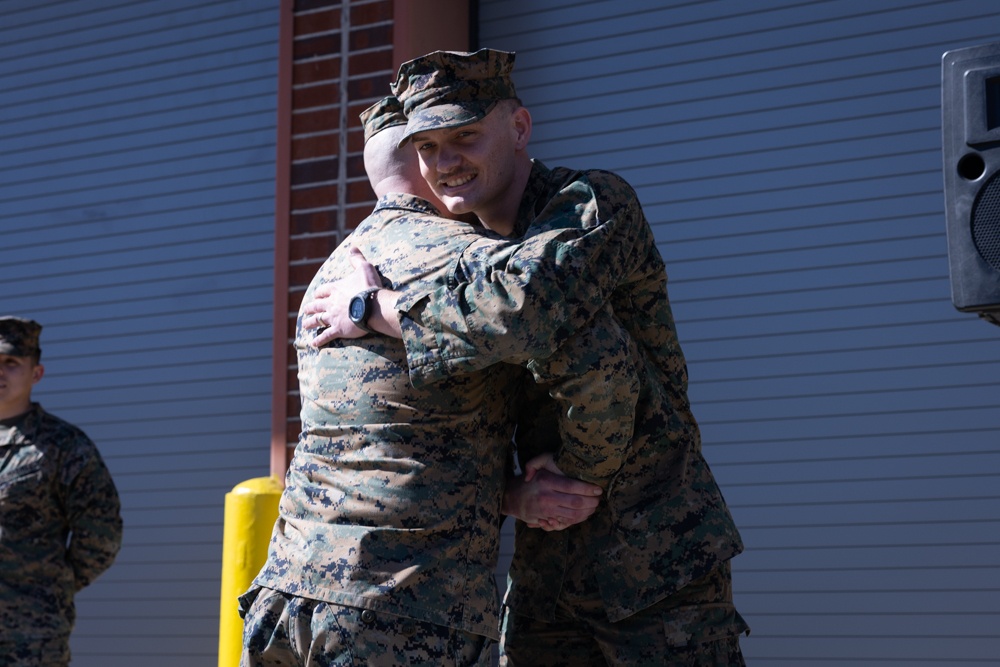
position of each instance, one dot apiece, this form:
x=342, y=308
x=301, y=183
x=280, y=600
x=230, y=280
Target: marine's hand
x=541, y=462
x=550, y=501
x=327, y=310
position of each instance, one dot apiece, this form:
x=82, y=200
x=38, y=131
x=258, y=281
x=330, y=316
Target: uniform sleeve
x=93, y=511
x=593, y=384
x=523, y=300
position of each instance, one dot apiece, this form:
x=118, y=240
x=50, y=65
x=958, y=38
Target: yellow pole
x=251, y=509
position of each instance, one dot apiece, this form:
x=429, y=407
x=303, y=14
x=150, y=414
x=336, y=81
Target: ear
x=522, y=128
x=37, y=372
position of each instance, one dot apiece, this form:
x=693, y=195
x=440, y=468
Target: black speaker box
x=970, y=116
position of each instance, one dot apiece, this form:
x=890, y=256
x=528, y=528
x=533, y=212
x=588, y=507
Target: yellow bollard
x=251, y=510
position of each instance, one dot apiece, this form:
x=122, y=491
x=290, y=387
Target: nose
x=448, y=159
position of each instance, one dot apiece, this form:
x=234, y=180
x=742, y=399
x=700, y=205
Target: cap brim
x=444, y=116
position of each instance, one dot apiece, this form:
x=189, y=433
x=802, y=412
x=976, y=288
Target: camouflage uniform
x=392, y=499
x=391, y=502
x=60, y=522
x=665, y=525
x=652, y=537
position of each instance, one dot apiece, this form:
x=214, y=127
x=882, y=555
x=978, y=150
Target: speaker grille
x=986, y=222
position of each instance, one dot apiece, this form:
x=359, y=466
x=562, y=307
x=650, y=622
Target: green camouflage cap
x=19, y=336
x=449, y=89
x=387, y=112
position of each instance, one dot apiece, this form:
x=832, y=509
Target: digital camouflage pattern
x=385, y=113
x=54, y=487
x=449, y=88
x=697, y=627
x=48, y=652
x=288, y=630
x=392, y=498
x=19, y=337
x=664, y=523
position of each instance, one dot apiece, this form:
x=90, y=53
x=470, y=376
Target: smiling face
x=17, y=377
x=480, y=168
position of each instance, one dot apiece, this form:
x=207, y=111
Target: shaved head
x=394, y=169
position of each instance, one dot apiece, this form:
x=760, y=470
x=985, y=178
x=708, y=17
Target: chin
x=456, y=206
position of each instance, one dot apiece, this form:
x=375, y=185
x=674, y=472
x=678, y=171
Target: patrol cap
x=450, y=88
x=387, y=112
x=19, y=336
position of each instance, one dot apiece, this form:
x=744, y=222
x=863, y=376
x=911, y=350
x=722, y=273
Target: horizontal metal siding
x=787, y=155
x=137, y=205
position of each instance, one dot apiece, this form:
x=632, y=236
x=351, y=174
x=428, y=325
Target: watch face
x=356, y=310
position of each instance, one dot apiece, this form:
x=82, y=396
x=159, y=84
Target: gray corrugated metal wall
x=788, y=156
x=137, y=206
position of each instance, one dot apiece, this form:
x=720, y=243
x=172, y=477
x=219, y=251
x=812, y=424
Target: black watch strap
x=361, y=308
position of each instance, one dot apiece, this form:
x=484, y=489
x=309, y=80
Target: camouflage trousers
x=47, y=652
x=284, y=630
x=696, y=627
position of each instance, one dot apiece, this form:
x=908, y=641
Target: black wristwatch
x=360, y=308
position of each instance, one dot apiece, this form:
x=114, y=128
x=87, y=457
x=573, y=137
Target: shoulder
x=58, y=432
x=605, y=188
x=601, y=178
x=62, y=445
x=582, y=198
x=608, y=187
x=394, y=227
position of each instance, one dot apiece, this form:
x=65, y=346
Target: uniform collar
x=406, y=202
